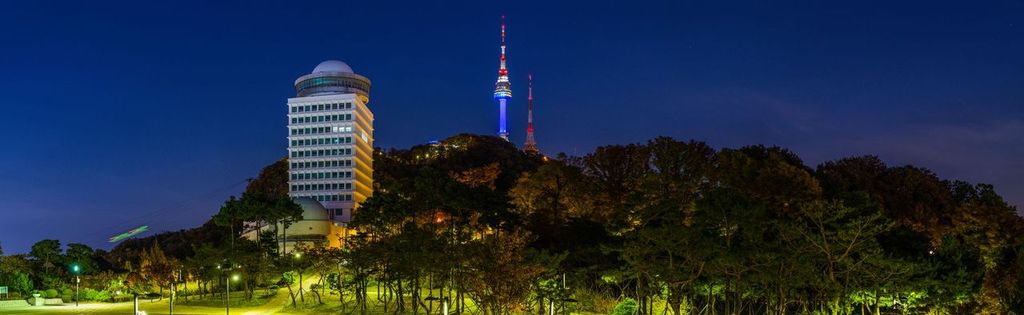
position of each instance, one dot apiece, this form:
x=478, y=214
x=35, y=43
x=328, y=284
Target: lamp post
x=565, y=296
x=225, y=267
x=227, y=295
x=174, y=291
x=298, y=267
x=75, y=268
x=227, y=291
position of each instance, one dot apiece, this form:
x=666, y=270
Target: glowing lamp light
x=235, y=278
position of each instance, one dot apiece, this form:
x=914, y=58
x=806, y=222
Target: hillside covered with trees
x=666, y=226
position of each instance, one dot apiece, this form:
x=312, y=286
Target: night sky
x=117, y=115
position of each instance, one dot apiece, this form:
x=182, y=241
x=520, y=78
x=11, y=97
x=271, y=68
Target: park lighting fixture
x=235, y=277
x=78, y=281
x=298, y=255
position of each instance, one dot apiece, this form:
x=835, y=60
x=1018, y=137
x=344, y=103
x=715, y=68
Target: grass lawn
x=271, y=304
x=237, y=299
x=276, y=302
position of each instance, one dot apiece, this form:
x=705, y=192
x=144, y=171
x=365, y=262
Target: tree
x=663, y=249
x=15, y=263
x=499, y=276
x=272, y=182
x=231, y=215
x=283, y=212
x=267, y=202
x=157, y=268
x=615, y=174
x=82, y=256
x=666, y=222
x=843, y=241
x=202, y=265
x=46, y=254
x=21, y=283
x=552, y=193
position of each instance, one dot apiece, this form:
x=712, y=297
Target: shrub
x=67, y=295
x=594, y=301
x=123, y=297
x=626, y=307
x=21, y=283
x=101, y=295
x=50, y=293
x=189, y=292
x=87, y=294
x=52, y=281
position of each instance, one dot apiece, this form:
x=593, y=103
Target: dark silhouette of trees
x=671, y=226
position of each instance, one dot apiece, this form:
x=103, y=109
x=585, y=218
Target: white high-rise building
x=330, y=150
x=330, y=153
x=330, y=138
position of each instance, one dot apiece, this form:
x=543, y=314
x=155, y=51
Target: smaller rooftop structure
x=333, y=77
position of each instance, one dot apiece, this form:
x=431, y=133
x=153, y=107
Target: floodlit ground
x=271, y=305
x=276, y=303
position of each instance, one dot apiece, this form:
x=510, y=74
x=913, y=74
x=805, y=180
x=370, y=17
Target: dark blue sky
x=122, y=114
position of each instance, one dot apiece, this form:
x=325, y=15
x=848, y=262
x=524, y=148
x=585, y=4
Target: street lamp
x=298, y=267
x=226, y=267
x=75, y=268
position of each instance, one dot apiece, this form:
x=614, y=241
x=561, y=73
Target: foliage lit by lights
x=126, y=235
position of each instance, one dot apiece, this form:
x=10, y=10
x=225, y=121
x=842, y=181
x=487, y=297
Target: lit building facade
x=330, y=154
x=330, y=139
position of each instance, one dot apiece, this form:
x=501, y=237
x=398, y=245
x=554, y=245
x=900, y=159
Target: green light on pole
x=235, y=278
x=76, y=269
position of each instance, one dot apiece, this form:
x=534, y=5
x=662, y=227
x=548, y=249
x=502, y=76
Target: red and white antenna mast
x=531, y=144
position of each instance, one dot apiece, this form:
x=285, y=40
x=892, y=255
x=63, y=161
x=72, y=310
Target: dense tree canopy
x=665, y=226
x=748, y=230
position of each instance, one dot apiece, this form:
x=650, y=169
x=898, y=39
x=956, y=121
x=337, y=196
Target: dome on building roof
x=332, y=66
x=311, y=209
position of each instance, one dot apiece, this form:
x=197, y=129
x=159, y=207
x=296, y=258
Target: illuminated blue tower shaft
x=502, y=122
x=502, y=89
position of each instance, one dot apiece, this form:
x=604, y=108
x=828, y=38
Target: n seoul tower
x=502, y=88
